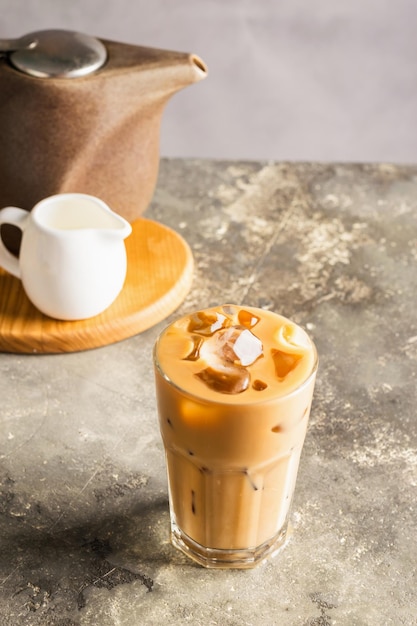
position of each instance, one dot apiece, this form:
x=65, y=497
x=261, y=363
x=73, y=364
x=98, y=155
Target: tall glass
x=232, y=444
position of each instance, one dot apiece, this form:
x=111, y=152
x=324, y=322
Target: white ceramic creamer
x=72, y=260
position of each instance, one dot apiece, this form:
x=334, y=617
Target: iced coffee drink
x=234, y=389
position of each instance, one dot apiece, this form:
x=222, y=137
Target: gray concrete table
x=83, y=494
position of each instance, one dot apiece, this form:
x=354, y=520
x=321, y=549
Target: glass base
x=219, y=558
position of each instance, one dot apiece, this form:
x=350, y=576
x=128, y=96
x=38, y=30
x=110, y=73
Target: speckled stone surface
x=83, y=494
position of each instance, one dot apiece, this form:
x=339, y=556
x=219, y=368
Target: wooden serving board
x=159, y=275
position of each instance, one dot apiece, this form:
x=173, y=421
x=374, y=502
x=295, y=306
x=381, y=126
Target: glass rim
x=206, y=400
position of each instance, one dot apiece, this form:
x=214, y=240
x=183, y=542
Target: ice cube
x=237, y=345
x=259, y=385
x=292, y=339
x=284, y=362
x=229, y=309
x=207, y=323
x=232, y=380
x=247, y=319
x=194, y=353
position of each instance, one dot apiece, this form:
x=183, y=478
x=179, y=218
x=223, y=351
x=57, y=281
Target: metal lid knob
x=58, y=54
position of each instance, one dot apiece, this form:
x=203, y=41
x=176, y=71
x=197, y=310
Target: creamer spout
x=122, y=228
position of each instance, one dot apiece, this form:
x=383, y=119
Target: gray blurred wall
x=288, y=80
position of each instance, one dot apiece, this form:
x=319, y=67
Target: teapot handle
x=16, y=217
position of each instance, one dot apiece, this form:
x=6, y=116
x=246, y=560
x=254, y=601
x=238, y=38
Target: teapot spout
x=180, y=71
x=156, y=72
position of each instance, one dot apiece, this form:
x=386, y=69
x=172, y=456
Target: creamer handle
x=16, y=217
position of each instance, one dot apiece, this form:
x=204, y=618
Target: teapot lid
x=58, y=54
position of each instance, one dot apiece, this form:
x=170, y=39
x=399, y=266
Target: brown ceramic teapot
x=80, y=114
